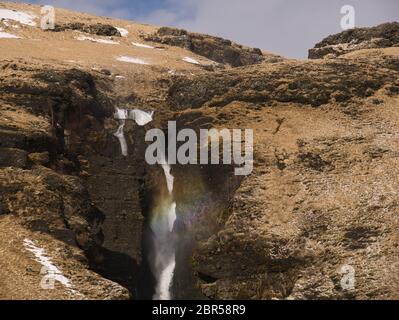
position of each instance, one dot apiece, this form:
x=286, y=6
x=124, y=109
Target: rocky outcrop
x=98, y=29
x=214, y=48
x=320, y=205
x=43, y=181
x=293, y=82
x=382, y=36
x=26, y=147
x=294, y=228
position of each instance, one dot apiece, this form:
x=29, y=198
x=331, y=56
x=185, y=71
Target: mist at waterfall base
x=164, y=245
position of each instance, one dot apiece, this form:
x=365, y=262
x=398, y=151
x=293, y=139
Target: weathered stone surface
x=41, y=158
x=213, y=48
x=98, y=29
x=382, y=36
x=13, y=157
x=322, y=197
x=293, y=82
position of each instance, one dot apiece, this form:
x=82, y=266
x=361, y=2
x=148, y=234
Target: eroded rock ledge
x=323, y=193
x=382, y=36
x=214, y=48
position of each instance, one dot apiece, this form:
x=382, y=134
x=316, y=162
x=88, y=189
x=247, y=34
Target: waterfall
x=121, y=137
x=163, y=217
x=169, y=178
x=140, y=117
x=164, y=244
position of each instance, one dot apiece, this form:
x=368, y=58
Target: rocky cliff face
x=322, y=198
x=383, y=36
x=216, y=49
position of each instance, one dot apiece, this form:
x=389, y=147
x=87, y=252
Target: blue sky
x=127, y=9
x=286, y=27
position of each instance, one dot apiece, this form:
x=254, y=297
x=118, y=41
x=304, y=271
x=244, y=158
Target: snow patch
x=41, y=257
x=190, y=60
x=141, y=45
x=141, y=117
x=132, y=60
x=20, y=16
x=122, y=31
x=5, y=35
x=104, y=41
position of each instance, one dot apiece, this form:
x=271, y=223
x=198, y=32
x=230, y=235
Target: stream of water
x=164, y=244
x=163, y=218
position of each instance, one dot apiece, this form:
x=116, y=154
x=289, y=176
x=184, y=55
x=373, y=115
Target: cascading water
x=140, y=117
x=121, y=137
x=163, y=264
x=164, y=215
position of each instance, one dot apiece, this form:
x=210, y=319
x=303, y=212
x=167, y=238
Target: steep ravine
x=202, y=195
x=322, y=196
x=124, y=189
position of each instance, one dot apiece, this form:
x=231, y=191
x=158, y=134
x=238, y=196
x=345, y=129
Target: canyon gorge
x=78, y=197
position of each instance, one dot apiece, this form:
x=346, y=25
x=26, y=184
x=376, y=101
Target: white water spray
x=164, y=256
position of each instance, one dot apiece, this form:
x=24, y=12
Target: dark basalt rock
x=98, y=29
x=13, y=157
x=301, y=83
x=313, y=161
x=214, y=48
x=387, y=31
x=382, y=36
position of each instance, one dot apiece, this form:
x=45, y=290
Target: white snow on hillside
x=141, y=45
x=132, y=60
x=139, y=116
x=20, y=16
x=104, y=41
x=41, y=257
x=6, y=35
x=122, y=31
x=190, y=60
